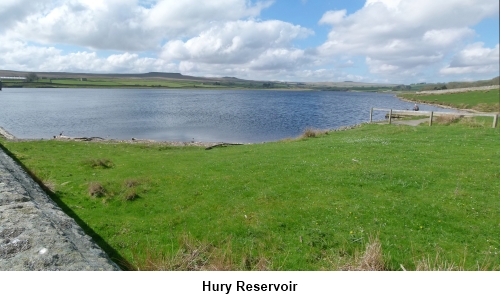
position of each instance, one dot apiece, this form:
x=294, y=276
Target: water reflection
x=184, y=115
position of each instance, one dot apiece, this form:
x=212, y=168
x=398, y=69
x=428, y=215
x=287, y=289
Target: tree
x=31, y=77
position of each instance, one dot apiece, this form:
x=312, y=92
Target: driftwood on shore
x=79, y=138
x=221, y=145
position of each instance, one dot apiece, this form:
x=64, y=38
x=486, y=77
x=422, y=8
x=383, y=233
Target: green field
x=138, y=83
x=169, y=83
x=483, y=101
x=429, y=194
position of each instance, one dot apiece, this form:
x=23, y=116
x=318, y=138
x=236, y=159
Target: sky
x=377, y=41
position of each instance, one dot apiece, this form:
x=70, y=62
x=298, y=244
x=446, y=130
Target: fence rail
x=431, y=114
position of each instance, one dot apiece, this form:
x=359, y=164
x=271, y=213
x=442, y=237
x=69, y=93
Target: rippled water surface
x=184, y=115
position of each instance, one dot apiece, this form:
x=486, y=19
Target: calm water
x=184, y=115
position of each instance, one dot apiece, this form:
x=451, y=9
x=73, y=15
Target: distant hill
x=232, y=81
x=178, y=76
x=221, y=81
x=348, y=84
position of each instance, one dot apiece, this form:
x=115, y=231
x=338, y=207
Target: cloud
x=17, y=55
x=247, y=49
x=223, y=38
x=475, y=58
x=396, y=39
x=333, y=17
x=404, y=36
x=238, y=42
x=14, y=11
x=126, y=25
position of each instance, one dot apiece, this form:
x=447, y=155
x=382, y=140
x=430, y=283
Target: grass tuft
x=129, y=183
x=130, y=195
x=473, y=122
x=192, y=255
x=312, y=133
x=50, y=185
x=371, y=260
x=446, y=119
x=99, y=163
x=96, y=190
x=436, y=264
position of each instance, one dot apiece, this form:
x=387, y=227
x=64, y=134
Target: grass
x=306, y=204
x=483, y=101
x=446, y=119
x=99, y=163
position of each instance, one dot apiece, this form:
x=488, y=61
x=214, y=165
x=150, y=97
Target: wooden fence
x=431, y=114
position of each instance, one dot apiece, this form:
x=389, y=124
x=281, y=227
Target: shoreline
x=208, y=145
x=438, y=105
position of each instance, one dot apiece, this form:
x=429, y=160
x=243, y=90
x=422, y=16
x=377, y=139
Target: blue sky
x=391, y=41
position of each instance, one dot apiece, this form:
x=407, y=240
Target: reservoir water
x=245, y=116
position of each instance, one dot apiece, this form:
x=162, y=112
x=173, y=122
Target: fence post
x=430, y=118
x=371, y=115
x=495, y=121
x=390, y=116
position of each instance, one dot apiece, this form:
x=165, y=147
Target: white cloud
x=333, y=17
x=223, y=37
x=403, y=37
x=241, y=48
x=124, y=24
x=475, y=58
x=17, y=55
x=14, y=11
x=238, y=42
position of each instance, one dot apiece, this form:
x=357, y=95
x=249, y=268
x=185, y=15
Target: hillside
x=171, y=80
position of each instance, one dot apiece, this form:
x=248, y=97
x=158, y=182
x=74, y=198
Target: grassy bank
x=483, y=101
x=427, y=195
